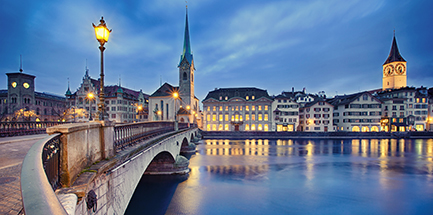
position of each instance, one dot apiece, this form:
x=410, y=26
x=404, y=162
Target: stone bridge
x=99, y=165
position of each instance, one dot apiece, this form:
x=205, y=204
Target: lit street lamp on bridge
x=102, y=33
x=90, y=98
x=176, y=97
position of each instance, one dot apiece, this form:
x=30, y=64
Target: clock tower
x=186, y=73
x=21, y=91
x=394, y=69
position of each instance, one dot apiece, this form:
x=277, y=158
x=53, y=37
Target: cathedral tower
x=394, y=69
x=186, y=71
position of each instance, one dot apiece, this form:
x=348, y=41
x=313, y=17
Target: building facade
x=316, y=116
x=357, y=112
x=122, y=105
x=285, y=114
x=20, y=102
x=237, y=109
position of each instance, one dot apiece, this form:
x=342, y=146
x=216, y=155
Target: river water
x=355, y=176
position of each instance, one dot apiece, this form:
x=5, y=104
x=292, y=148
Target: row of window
x=357, y=120
x=238, y=108
x=317, y=116
x=362, y=106
x=247, y=127
x=315, y=110
x=287, y=106
x=237, y=117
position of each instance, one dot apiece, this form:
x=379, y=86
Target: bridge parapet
x=82, y=145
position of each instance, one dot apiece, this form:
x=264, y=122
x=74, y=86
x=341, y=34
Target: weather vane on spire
x=186, y=2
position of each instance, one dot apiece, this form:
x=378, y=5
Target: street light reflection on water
x=297, y=176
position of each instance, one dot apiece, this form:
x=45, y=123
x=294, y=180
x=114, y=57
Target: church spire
x=394, y=54
x=186, y=53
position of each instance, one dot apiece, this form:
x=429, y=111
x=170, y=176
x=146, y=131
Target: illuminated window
x=208, y=108
x=253, y=108
x=260, y=107
x=279, y=127
x=221, y=108
x=208, y=117
x=423, y=100
x=252, y=97
x=247, y=108
x=227, y=97
x=266, y=117
x=213, y=127
x=214, y=117
x=220, y=127
x=237, y=108
x=253, y=127
x=417, y=100
x=260, y=117
x=227, y=108
x=208, y=127
x=247, y=117
x=266, y=107
x=214, y=108
x=233, y=117
x=260, y=127
x=247, y=127
x=253, y=117
x=241, y=108
x=220, y=117
x=237, y=117
x=227, y=117
x=266, y=127
x=226, y=127
x=241, y=118
x=247, y=97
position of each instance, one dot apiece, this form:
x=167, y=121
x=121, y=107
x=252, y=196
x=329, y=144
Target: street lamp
x=102, y=33
x=176, y=125
x=90, y=98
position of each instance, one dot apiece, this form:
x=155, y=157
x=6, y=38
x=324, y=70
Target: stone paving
x=12, y=153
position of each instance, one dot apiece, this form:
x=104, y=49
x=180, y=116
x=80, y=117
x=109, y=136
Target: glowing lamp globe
x=101, y=31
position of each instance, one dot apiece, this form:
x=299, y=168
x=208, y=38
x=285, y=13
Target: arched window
x=185, y=76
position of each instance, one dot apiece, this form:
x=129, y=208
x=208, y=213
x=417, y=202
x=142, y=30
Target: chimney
x=293, y=89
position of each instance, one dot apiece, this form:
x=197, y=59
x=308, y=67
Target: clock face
x=387, y=71
x=400, y=69
x=14, y=84
x=26, y=85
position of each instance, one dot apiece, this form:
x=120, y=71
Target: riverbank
x=313, y=135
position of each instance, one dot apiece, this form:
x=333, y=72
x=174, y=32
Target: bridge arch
x=162, y=162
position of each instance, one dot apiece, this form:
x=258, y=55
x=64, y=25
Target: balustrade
x=130, y=134
x=8, y=129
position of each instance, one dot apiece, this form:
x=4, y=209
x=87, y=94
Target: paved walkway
x=12, y=153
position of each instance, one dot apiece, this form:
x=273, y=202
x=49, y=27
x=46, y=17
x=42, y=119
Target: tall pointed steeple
x=68, y=92
x=394, y=54
x=186, y=53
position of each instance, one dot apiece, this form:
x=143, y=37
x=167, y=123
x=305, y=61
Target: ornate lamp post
x=102, y=33
x=90, y=98
x=176, y=125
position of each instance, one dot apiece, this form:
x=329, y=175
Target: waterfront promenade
x=12, y=153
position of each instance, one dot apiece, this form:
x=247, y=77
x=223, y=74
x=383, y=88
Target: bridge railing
x=130, y=134
x=8, y=129
x=40, y=177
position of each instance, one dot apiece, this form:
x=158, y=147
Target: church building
x=169, y=101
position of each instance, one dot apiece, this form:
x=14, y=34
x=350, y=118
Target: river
x=354, y=176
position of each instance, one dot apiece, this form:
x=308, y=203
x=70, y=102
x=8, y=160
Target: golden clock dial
x=400, y=69
x=387, y=71
x=26, y=85
x=14, y=84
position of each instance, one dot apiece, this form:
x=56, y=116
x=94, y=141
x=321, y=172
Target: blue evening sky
x=336, y=46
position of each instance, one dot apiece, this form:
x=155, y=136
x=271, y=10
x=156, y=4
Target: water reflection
x=300, y=176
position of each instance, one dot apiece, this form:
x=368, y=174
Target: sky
x=336, y=46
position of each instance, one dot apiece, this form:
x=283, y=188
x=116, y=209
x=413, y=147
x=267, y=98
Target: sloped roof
x=238, y=93
x=165, y=90
x=394, y=54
